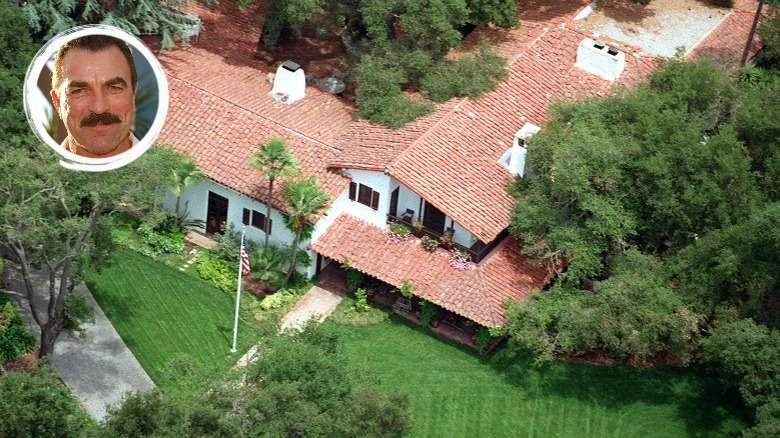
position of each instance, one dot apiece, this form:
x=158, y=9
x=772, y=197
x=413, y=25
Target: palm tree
x=274, y=160
x=304, y=200
x=186, y=173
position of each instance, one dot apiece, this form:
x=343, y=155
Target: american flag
x=244, y=258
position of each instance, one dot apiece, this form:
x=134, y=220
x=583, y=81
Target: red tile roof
x=725, y=43
x=475, y=292
x=220, y=135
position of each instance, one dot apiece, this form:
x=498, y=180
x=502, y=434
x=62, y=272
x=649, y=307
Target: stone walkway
x=98, y=367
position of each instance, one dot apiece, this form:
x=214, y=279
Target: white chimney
x=597, y=58
x=513, y=159
x=289, y=83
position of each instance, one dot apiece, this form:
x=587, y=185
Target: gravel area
x=663, y=27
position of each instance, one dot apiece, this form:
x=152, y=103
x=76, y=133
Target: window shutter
x=352, y=191
x=245, y=219
x=270, y=226
x=375, y=200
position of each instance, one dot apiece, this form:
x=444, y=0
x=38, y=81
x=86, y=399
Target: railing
x=477, y=252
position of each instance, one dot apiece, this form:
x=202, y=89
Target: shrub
x=15, y=339
x=482, y=338
x=406, y=288
x=427, y=312
x=399, y=232
x=467, y=76
x=278, y=300
x=361, y=305
x=429, y=243
x=221, y=273
x=167, y=242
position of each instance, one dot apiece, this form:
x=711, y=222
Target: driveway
x=97, y=367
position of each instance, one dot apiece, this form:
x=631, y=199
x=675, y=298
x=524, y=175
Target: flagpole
x=238, y=290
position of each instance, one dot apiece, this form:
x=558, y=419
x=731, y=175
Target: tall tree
x=55, y=219
x=304, y=201
x=275, y=161
x=164, y=18
x=186, y=173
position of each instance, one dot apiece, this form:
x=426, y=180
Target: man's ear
x=55, y=100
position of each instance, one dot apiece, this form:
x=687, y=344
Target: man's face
x=95, y=99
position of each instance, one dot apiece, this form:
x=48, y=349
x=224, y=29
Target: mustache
x=104, y=118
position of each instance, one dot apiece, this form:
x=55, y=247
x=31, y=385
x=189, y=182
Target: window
x=257, y=220
x=364, y=195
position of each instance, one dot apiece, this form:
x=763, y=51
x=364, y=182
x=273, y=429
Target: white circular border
x=71, y=160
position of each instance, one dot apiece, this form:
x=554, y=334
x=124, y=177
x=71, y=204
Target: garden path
x=97, y=367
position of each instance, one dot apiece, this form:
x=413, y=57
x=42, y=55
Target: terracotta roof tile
x=475, y=292
x=220, y=135
x=725, y=43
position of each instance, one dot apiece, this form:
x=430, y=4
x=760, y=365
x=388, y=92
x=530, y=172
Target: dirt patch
x=319, y=52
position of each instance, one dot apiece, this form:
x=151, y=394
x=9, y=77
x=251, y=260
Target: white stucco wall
x=196, y=199
x=380, y=183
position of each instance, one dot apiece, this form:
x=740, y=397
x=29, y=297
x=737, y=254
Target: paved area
x=317, y=303
x=98, y=367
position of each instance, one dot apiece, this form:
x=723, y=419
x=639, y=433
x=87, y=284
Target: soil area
x=663, y=27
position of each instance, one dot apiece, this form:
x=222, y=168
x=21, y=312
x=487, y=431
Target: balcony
x=477, y=252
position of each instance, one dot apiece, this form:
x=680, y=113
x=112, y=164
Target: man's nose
x=99, y=102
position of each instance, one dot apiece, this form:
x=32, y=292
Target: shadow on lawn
x=703, y=403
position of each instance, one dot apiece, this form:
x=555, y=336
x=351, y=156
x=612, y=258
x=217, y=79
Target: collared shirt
x=66, y=144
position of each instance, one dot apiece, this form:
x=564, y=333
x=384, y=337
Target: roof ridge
x=256, y=114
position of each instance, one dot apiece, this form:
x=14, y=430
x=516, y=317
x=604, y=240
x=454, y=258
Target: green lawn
x=162, y=313
x=457, y=393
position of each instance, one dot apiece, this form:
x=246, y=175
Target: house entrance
x=433, y=218
x=216, y=213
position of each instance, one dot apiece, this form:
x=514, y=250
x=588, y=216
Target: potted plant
x=445, y=240
x=428, y=243
x=417, y=226
x=399, y=232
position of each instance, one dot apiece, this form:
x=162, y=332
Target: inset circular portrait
x=97, y=96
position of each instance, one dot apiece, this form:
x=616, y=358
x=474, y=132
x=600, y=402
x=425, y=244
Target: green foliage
x=279, y=300
x=221, y=273
x=379, y=95
x=353, y=276
x=298, y=386
x=502, y=13
x=400, y=231
x=467, y=76
x=656, y=166
x=347, y=314
x=287, y=15
x=428, y=311
x=35, y=404
x=304, y=200
x=15, y=339
x=406, y=288
x=361, y=304
x=268, y=266
x=18, y=51
x=767, y=424
x=736, y=266
x=274, y=160
x=79, y=312
x=168, y=242
x=163, y=18
x=482, y=338
x=747, y=354
x=769, y=31
x=229, y=244
x=630, y=314
x=755, y=120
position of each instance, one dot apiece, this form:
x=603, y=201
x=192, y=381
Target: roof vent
x=513, y=159
x=289, y=83
x=597, y=58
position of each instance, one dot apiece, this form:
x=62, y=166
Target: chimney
x=513, y=159
x=595, y=57
x=289, y=83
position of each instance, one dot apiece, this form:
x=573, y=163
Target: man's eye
x=115, y=88
x=77, y=91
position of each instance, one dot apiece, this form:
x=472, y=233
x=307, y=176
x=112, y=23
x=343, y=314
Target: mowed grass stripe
x=455, y=392
x=162, y=313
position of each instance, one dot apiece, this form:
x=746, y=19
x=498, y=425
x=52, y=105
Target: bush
x=361, y=305
x=482, y=338
x=168, y=242
x=278, y=300
x=427, y=312
x=221, y=273
x=15, y=339
x=399, y=232
x=467, y=76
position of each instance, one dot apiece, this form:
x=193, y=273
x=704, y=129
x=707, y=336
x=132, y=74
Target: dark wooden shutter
x=375, y=200
x=245, y=219
x=352, y=191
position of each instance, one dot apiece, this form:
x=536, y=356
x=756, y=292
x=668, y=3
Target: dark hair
x=93, y=43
